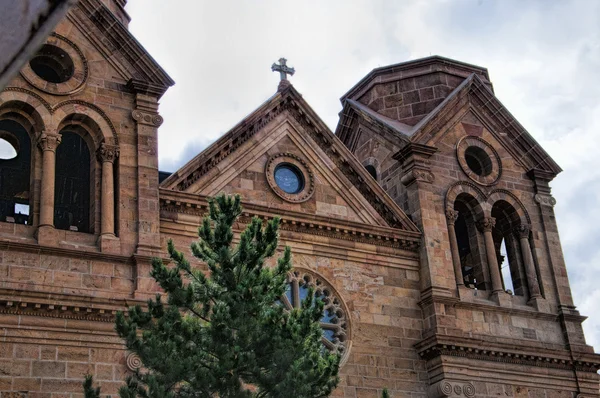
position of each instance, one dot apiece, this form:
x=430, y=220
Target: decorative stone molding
x=133, y=362
x=312, y=227
x=522, y=231
x=495, y=171
x=417, y=175
x=49, y=141
x=545, y=200
x=309, y=181
x=108, y=153
x=146, y=118
x=75, y=83
x=35, y=307
x=451, y=216
x=487, y=224
x=503, y=356
x=444, y=388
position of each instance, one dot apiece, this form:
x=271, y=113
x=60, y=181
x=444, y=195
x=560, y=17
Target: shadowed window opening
x=469, y=243
x=508, y=251
x=15, y=173
x=478, y=161
x=52, y=64
x=371, y=169
x=72, y=190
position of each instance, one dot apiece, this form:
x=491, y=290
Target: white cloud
x=543, y=58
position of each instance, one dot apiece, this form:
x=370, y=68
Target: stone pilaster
x=147, y=121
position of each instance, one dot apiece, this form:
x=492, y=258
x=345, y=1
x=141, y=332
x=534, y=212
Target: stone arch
x=464, y=187
x=76, y=109
x=510, y=198
x=36, y=107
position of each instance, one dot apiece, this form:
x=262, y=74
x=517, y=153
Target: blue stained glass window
x=329, y=334
x=289, y=178
x=332, y=326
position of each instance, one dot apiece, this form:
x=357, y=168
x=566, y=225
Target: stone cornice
x=527, y=355
x=65, y=306
x=197, y=205
x=60, y=251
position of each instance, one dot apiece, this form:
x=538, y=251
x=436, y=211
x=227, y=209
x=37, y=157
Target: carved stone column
x=48, y=141
x=486, y=225
x=522, y=233
x=451, y=216
x=107, y=154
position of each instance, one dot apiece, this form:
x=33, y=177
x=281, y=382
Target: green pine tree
x=385, y=393
x=223, y=333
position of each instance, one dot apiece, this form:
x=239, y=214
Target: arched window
x=72, y=190
x=333, y=322
x=15, y=164
x=371, y=169
x=507, y=248
x=470, y=243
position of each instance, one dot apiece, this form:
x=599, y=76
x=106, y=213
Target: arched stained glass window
x=333, y=321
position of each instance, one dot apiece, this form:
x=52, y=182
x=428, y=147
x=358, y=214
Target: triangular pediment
x=119, y=47
x=474, y=99
x=286, y=129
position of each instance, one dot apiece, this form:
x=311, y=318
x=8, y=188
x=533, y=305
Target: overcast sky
x=543, y=58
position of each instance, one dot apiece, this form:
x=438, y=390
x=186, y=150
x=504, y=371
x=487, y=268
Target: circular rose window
x=479, y=161
x=334, y=322
x=58, y=68
x=290, y=177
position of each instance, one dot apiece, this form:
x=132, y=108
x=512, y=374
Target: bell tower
x=494, y=286
x=79, y=215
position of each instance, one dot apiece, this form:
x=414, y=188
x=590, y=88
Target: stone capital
x=451, y=216
x=486, y=224
x=148, y=118
x=49, y=140
x=522, y=231
x=108, y=153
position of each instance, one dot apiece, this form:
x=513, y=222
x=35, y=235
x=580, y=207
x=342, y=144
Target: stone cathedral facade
x=425, y=221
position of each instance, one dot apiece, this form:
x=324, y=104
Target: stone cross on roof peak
x=283, y=69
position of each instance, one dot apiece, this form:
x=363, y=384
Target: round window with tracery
x=334, y=321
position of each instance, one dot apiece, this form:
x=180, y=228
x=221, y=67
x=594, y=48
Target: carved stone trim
x=522, y=231
x=149, y=119
x=471, y=141
x=75, y=83
x=486, y=224
x=309, y=181
x=108, y=153
x=77, y=312
x=451, y=216
x=495, y=355
x=133, y=362
x=307, y=227
x=445, y=388
x=49, y=141
x=419, y=175
x=545, y=200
